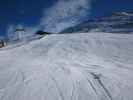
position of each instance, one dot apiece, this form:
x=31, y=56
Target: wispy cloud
x=65, y=13
x=61, y=15
x=10, y=32
x=28, y=31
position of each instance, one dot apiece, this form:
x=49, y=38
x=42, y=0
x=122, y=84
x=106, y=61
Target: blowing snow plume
x=64, y=14
x=20, y=32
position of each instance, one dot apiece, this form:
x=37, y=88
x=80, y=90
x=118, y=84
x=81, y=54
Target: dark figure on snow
x=2, y=43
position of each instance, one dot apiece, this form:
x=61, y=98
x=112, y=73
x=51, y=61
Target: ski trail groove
x=92, y=86
x=58, y=88
x=97, y=77
x=73, y=90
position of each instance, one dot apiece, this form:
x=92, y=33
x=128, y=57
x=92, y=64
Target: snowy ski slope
x=84, y=66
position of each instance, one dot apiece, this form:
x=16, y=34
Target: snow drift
x=85, y=66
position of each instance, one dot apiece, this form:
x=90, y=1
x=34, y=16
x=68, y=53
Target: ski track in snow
x=93, y=66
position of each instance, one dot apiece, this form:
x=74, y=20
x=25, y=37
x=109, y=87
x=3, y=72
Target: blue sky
x=106, y=7
x=31, y=12
x=21, y=11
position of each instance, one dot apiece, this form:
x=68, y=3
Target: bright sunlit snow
x=85, y=66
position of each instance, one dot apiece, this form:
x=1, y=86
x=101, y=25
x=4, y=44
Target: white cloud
x=65, y=13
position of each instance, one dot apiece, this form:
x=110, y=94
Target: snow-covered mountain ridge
x=95, y=66
x=118, y=22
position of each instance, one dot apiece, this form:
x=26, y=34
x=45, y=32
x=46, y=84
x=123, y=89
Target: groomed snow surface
x=85, y=66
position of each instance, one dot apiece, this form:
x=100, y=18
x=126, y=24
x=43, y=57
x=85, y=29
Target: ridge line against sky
x=29, y=13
